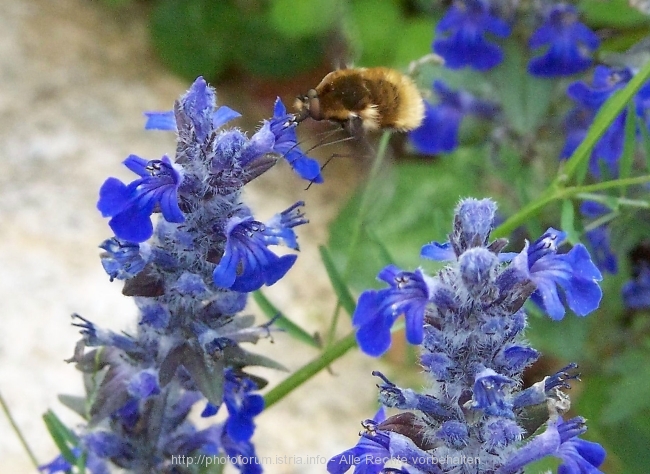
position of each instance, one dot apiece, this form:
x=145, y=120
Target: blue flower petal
x=574, y=272
x=439, y=130
x=438, y=252
x=113, y=197
x=160, y=121
x=373, y=334
x=223, y=115
x=283, y=128
x=133, y=224
x=570, y=44
x=367, y=457
x=130, y=207
x=246, y=263
x=636, y=292
x=376, y=311
x=460, y=38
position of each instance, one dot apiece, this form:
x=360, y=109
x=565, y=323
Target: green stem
x=365, y=201
x=306, y=372
x=532, y=209
x=360, y=222
x=602, y=220
x=16, y=429
x=608, y=200
x=614, y=183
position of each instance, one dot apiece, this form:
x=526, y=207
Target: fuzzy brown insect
x=369, y=99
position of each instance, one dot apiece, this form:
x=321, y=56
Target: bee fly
x=364, y=99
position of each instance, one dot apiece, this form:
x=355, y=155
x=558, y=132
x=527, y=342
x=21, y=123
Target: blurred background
x=76, y=77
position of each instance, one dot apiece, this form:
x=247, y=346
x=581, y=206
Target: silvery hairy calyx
x=190, y=276
x=474, y=415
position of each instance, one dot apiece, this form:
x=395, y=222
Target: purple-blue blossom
x=461, y=35
x=570, y=44
x=573, y=272
x=283, y=127
x=490, y=394
x=636, y=292
x=198, y=105
x=247, y=263
x=123, y=259
x=598, y=238
x=377, y=310
x=279, y=229
x=243, y=406
x=439, y=130
x=367, y=456
x=560, y=440
x=588, y=99
x=130, y=206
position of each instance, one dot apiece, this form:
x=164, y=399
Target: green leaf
x=207, y=374
x=564, y=339
x=627, y=158
x=612, y=13
x=625, y=400
x=74, y=403
x=193, y=37
x=414, y=41
x=262, y=51
x=281, y=321
x=525, y=99
x=419, y=210
x=628, y=443
x=81, y=463
x=383, y=250
x=300, y=19
x=216, y=467
x=340, y=287
x=240, y=358
x=567, y=222
x=547, y=464
x=63, y=437
x=374, y=22
x=645, y=135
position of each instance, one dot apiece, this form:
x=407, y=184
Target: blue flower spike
x=469, y=320
x=191, y=277
x=570, y=44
